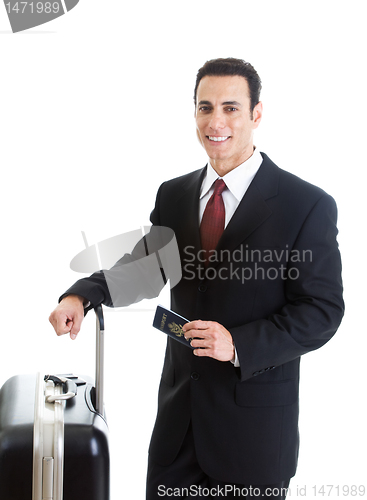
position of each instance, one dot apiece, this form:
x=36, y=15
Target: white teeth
x=217, y=139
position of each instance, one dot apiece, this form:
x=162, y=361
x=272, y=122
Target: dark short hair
x=232, y=67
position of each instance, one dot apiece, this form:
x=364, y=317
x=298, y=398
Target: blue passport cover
x=171, y=323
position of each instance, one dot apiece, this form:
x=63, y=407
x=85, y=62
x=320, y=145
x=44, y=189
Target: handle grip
x=69, y=388
x=99, y=313
x=99, y=359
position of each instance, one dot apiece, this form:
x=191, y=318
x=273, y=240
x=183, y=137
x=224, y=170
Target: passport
x=171, y=324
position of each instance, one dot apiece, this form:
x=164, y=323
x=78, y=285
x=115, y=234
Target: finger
x=195, y=325
x=203, y=352
x=59, y=324
x=64, y=324
x=197, y=334
x=202, y=343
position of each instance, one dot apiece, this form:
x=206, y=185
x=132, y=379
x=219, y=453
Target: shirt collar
x=237, y=180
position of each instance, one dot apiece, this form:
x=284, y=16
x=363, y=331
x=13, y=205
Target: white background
x=96, y=111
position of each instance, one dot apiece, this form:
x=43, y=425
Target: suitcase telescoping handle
x=99, y=359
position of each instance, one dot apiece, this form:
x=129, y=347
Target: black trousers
x=184, y=479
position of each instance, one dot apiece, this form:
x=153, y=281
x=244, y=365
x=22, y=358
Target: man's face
x=224, y=123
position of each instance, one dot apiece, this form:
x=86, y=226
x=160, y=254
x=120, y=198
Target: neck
x=222, y=167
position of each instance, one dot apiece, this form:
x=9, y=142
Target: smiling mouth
x=217, y=139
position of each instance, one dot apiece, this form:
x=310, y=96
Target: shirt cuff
x=235, y=361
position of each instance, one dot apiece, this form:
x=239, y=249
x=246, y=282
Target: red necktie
x=212, y=223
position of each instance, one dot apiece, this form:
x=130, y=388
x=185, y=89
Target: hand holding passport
x=171, y=323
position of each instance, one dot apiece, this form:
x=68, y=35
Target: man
x=261, y=293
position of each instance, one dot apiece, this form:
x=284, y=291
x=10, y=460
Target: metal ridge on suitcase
x=54, y=435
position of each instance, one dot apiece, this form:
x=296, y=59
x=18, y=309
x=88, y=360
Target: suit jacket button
x=202, y=288
x=195, y=376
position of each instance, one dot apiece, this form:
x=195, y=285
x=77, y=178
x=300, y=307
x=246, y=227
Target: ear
x=257, y=114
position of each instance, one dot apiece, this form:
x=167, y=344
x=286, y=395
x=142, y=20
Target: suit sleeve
x=136, y=276
x=314, y=307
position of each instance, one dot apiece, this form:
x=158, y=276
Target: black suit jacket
x=275, y=284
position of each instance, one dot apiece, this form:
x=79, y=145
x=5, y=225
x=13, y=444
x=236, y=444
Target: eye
x=204, y=109
x=230, y=109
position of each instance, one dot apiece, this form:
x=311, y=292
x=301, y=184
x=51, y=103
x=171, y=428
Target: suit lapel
x=187, y=212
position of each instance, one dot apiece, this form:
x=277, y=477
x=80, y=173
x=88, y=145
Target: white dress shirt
x=237, y=182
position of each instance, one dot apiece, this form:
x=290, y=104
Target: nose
x=216, y=120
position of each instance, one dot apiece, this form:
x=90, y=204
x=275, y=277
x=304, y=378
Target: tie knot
x=219, y=186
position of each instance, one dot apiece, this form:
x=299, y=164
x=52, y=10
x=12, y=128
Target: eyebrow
x=225, y=103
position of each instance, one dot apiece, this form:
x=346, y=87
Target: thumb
x=74, y=328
